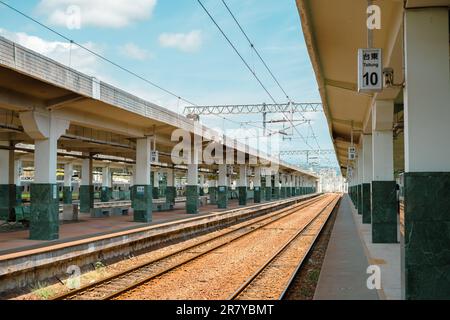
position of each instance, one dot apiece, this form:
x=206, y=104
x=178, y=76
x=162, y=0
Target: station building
x=57, y=121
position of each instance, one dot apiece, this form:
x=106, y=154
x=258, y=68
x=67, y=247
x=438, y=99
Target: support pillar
x=367, y=179
x=268, y=191
x=18, y=183
x=7, y=186
x=142, y=190
x=212, y=191
x=360, y=181
x=425, y=246
x=223, y=187
x=202, y=185
x=257, y=186
x=384, y=192
x=45, y=129
x=86, y=188
x=171, y=190
x=192, y=189
x=276, y=190
x=155, y=189
x=67, y=189
x=283, y=186
x=242, y=185
x=106, y=185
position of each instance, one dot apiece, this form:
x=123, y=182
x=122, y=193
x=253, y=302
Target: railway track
x=114, y=286
x=272, y=280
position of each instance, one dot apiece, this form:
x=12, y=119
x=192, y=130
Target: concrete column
x=45, y=130
x=202, y=184
x=268, y=187
x=277, y=186
x=7, y=186
x=223, y=187
x=257, y=185
x=367, y=178
x=132, y=172
x=425, y=250
x=86, y=187
x=155, y=189
x=106, y=185
x=243, y=183
x=142, y=190
x=67, y=190
x=212, y=191
x=360, y=180
x=192, y=189
x=384, y=193
x=171, y=190
x=18, y=183
x=283, y=186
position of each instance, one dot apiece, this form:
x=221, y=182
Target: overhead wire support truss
x=253, y=109
x=306, y=152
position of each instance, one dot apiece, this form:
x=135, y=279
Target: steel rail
x=302, y=262
x=88, y=288
x=269, y=261
x=186, y=261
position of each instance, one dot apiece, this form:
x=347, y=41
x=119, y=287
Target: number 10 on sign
x=370, y=70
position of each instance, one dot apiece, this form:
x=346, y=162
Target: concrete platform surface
x=343, y=275
x=387, y=256
x=15, y=241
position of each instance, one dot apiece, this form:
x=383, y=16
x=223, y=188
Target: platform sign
x=351, y=153
x=155, y=156
x=140, y=190
x=370, y=70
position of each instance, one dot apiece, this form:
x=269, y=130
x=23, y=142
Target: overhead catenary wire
x=248, y=66
x=252, y=45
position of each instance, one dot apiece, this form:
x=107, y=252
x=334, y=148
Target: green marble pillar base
x=142, y=203
x=425, y=246
x=192, y=199
x=67, y=195
x=360, y=199
x=268, y=194
x=170, y=196
x=276, y=193
x=44, y=223
x=366, y=207
x=242, y=196
x=288, y=192
x=222, y=197
x=384, y=212
x=212, y=191
x=155, y=192
x=7, y=200
x=86, y=199
x=105, y=195
x=257, y=195
x=283, y=192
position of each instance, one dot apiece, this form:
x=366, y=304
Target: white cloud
x=187, y=42
x=134, y=52
x=98, y=13
x=63, y=52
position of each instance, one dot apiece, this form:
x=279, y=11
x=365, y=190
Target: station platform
x=86, y=226
x=107, y=239
x=349, y=254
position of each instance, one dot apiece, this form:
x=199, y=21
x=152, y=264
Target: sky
x=175, y=44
